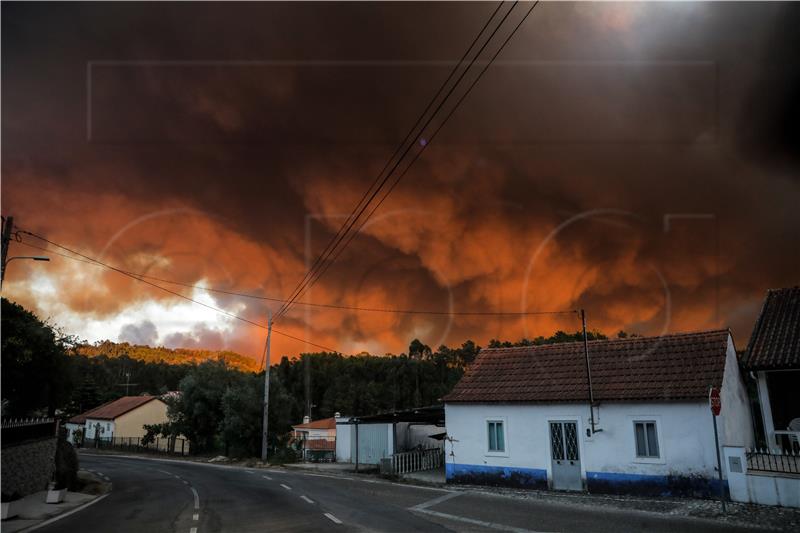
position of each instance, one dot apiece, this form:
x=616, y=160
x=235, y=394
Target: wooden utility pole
x=266, y=390
x=8, y=227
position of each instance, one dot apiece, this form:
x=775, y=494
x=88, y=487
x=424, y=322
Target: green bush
x=66, y=466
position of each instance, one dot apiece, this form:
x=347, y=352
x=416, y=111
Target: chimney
x=306, y=419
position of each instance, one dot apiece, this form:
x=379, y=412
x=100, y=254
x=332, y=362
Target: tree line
x=219, y=405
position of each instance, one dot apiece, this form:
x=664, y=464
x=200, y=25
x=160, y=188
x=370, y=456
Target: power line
x=310, y=278
x=97, y=263
x=352, y=235
x=134, y=276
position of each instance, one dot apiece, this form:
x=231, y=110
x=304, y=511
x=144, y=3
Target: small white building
x=521, y=416
x=121, y=418
x=375, y=437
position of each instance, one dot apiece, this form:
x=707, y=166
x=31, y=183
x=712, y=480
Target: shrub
x=66, y=466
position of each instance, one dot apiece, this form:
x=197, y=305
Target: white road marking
x=329, y=477
x=195, y=517
x=193, y=530
x=68, y=513
x=267, y=477
x=435, y=501
x=333, y=518
x=306, y=498
x=481, y=523
x=248, y=472
x=287, y=487
x=423, y=508
x=196, y=498
x=185, y=482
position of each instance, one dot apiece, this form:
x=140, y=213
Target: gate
x=565, y=455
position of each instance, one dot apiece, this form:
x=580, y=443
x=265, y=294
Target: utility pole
x=588, y=372
x=127, y=383
x=5, y=240
x=266, y=389
x=8, y=227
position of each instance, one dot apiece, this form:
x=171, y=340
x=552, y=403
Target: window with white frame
x=646, y=434
x=497, y=442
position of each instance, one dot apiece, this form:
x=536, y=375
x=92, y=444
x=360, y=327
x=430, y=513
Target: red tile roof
x=112, y=409
x=775, y=342
x=671, y=367
x=324, y=423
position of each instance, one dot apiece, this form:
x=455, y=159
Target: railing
x=176, y=446
x=417, y=460
x=21, y=429
x=318, y=449
x=784, y=462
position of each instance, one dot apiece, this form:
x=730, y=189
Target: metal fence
x=417, y=460
x=779, y=461
x=15, y=430
x=160, y=445
x=318, y=449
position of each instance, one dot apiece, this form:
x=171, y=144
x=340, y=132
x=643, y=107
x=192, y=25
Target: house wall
x=735, y=423
x=107, y=426
x=344, y=433
x=316, y=433
x=70, y=429
x=131, y=424
x=764, y=488
x=608, y=458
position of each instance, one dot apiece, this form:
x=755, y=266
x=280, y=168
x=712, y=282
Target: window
x=646, y=439
x=496, y=437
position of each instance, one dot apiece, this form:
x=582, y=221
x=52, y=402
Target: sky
x=635, y=160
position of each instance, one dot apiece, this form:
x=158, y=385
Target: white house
x=773, y=356
x=122, y=418
x=521, y=416
x=770, y=474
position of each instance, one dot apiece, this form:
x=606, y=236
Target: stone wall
x=27, y=467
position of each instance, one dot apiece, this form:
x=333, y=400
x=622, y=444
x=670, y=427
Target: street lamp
x=33, y=257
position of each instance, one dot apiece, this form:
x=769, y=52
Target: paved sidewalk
x=31, y=510
x=334, y=468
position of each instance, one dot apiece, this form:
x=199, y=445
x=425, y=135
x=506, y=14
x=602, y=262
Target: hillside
x=170, y=356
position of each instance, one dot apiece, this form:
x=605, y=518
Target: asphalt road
x=151, y=496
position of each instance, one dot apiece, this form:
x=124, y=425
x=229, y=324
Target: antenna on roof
x=127, y=383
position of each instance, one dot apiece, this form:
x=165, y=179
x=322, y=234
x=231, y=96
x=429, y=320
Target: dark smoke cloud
x=658, y=137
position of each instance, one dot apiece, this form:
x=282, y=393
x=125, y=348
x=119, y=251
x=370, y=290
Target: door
x=565, y=455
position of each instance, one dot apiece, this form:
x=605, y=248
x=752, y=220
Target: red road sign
x=714, y=401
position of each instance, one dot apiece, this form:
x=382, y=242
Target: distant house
x=521, y=416
x=316, y=439
x=773, y=355
x=124, y=417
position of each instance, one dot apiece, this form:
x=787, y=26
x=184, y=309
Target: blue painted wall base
x=596, y=482
x=647, y=485
x=498, y=476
